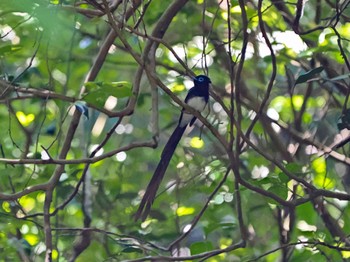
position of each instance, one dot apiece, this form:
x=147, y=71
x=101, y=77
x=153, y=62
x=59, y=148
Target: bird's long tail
x=150, y=194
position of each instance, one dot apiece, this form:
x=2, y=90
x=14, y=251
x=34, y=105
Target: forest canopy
x=91, y=90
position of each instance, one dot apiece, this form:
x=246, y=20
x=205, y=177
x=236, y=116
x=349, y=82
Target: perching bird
x=196, y=98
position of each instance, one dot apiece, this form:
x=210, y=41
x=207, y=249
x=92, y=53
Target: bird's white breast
x=197, y=103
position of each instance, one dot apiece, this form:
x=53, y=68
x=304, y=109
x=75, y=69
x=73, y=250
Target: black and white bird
x=197, y=98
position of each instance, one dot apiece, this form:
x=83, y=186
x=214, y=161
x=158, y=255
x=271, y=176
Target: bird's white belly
x=198, y=103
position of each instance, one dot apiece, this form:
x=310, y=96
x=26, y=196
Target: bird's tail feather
x=150, y=193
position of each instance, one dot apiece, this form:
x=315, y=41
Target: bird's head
x=202, y=80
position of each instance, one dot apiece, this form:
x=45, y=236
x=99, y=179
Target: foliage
x=89, y=95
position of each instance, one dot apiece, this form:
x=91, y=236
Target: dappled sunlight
x=174, y=130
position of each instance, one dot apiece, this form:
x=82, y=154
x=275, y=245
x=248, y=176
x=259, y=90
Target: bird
x=197, y=98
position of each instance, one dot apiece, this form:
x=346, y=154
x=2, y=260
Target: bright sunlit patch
x=278, y=103
x=85, y=42
x=291, y=40
x=111, y=103
x=319, y=165
x=6, y=206
x=34, y=230
x=310, y=150
x=129, y=128
x=188, y=83
x=24, y=229
x=260, y=172
x=180, y=51
x=146, y=223
x=219, y=199
x=177, y=88
x=197, y=41
x=321, y=102
x=324, y=182
x=9, y=35
x=121, y=156
x=236, y=9
x=28, y=203
x=63, y=177
x=40, y=248
x=120, y=129
x=99, y=125
x=303, y=226
x=292, y=148
x=276, y=127
x=196, y=142
x=184, y=211
x=322, y=39
x=59, y=76
x=180, y=165
x=31, y=239
x=40, y=197
x=301, y=245
x=72, y=209
x=345, y=254
x=159, y=52
x=24, y=119
x=54, y=254
x=251, y=114
x=284, y=39
x=224, y=15
x=170, y=187
x=340, y=203
x=228, y=197
x=187, y=228
x=225, y=242
x=273, y=114
x=197, y=60
x=93, y=148
x=321, y=179
x=298, y=101
x=34, y=62
x=44, y=155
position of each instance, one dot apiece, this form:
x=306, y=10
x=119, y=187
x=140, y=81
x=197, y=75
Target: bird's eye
x=201, y=79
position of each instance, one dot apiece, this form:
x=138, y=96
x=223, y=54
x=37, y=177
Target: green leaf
x=9, y=49
x=341, y=77
x=98, y=92
x=279, y=190
x=308, y=75
x=184, y=211
x=324, y=182
x=283, y=178
x=132, y=250
x=200, y=247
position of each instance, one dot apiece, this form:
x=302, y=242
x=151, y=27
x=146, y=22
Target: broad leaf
x=341, y=77
x=200, y=247
x=98, y=92
x=8, y=49
x=308, y=75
